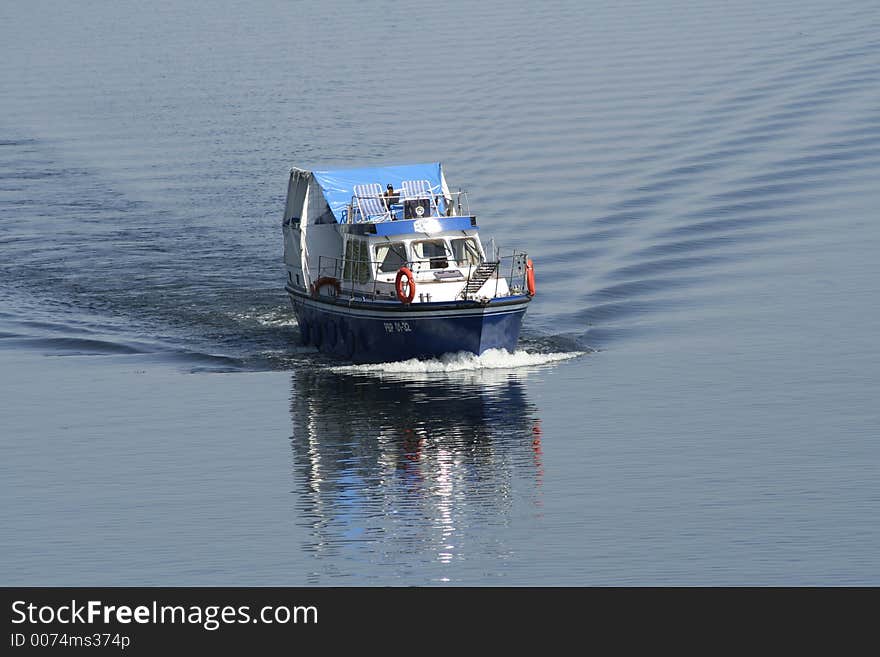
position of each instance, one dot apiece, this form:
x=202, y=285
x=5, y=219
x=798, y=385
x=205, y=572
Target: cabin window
x=466, y=252
x=391, y=256
x=357, y=261
x=435, y=251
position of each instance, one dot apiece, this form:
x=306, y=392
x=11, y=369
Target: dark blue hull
x=382, y=331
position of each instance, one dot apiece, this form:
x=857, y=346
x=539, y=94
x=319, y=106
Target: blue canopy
x=338, y=184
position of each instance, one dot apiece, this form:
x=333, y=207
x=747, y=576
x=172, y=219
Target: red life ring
x=530, y=277
x=326, y=280
x=404, y=272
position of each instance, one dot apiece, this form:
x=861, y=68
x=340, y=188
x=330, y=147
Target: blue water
x=695, y=400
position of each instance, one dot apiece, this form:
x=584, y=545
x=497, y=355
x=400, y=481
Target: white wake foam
x=272, y=318
x=492, y=359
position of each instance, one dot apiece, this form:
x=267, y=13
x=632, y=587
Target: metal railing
x=454, y=205
x=514, y=264
x=357, y=278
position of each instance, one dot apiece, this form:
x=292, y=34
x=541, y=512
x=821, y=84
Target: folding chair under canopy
x=415, y=192
x=370, y=202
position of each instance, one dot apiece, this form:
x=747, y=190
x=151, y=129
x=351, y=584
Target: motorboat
x=386, y=263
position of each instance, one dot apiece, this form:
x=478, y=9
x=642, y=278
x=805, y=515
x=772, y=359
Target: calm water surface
x=695, y=400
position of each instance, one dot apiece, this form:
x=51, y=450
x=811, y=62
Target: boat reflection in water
x=400, y=475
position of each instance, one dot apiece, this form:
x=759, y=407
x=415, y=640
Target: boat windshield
x=465, y=251
x=390, y=256
x=435, y=251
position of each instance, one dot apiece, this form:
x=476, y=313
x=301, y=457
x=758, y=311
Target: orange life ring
x=404, y=272
x=530, y=277
x=326, y=280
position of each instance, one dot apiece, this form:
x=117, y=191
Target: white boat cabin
x=442, y=266
x=345, y=237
